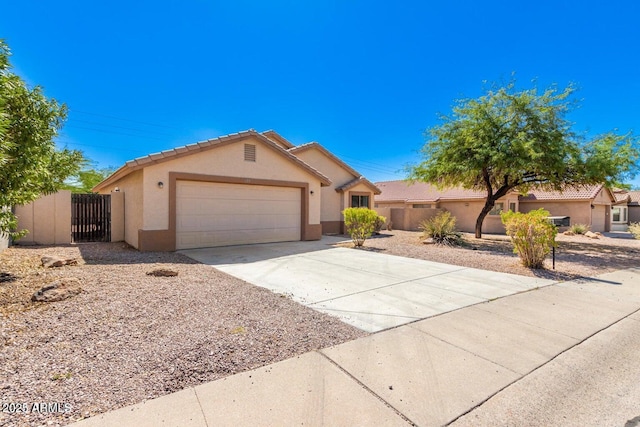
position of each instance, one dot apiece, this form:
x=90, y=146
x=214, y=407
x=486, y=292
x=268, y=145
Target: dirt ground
x=129, y=336
x=576, y=256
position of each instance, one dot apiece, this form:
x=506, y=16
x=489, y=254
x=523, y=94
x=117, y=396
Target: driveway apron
x=369, y=290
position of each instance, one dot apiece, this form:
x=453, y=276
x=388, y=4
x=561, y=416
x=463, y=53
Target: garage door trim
x=165, y=240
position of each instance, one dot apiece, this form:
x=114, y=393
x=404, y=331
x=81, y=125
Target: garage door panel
x=221, y=214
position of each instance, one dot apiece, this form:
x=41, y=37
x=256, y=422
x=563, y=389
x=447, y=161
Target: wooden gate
x=90, y=218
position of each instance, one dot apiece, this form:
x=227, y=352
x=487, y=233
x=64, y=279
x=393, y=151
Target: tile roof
x=586, y=192
x=360, y=180
x=635, y=197
x=141, y=162
x=404, y=191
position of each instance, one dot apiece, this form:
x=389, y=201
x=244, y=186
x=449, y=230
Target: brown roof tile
x=404, y=191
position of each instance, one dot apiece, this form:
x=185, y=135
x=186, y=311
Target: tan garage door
x=598, y=218
x=216, y=214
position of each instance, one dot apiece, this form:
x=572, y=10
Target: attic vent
x=249, y=152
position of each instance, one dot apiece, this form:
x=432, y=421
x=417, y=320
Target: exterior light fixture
x=160, y=184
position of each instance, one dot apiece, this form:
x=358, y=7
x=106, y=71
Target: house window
x=512, y=206
x=249, y=152
x=619, y=213
x=497, y=209
x=359, y=201
x=422, y=206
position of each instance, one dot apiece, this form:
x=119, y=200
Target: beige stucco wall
x=332, y=201
x=578, y=211
x=360, y=189
x=48, y=219
x=389, y=205
x=131, y=189
x=117, y=217
x=227, y=160
x=466, y=214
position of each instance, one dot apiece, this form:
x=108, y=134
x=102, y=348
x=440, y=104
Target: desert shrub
x=532, y=235
x=442, y=229
x=579, y=228
x=634, y=228
x=380, y=221
x=360, y=223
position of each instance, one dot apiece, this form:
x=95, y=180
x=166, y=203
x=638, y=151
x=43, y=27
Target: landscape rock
x=591, y=235
x=58, y=290
x=162, y=272
x=54, y=261
x=569, y=233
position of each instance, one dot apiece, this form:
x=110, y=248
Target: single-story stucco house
x=407, y=204
x=247, y=187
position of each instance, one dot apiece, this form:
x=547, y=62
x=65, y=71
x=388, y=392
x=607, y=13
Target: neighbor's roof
x=634, y=198
x=586, y=192
x=406, y=191
x=175, y=153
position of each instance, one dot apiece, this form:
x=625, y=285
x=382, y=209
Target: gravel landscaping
x=129, y=336
x=576, y=256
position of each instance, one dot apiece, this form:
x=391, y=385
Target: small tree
x=442, y=229
x=86, y=179
x=511, y=140
x=360, y=223
x=532, y=234
x=30, y=164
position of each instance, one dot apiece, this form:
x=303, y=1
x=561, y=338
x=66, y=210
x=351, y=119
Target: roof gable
x=277, y=138
x=360, y=180
x=316, y=146
x=178, y=152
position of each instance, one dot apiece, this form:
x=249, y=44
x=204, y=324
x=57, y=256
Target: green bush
x=380, y=221
x=360, y=224
x=532, y=235
x=634, y=228
x=442, y=229
x=579, y=228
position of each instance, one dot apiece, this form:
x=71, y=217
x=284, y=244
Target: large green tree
x=511, y=140
x=30, y=164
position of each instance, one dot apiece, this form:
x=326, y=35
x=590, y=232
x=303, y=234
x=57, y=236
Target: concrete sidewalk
x=430, y=372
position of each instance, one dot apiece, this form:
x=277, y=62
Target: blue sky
x=363, y=78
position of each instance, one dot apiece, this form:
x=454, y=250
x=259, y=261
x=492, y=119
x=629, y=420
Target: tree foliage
x=30, y=164
x=86, y=179
x=511, y=140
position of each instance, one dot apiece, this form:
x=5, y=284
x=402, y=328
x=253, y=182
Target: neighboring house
x=626, y=209
x=408, y=204
x=348, y=187
x=242, y=188
x=634, y=206
x=590, y=205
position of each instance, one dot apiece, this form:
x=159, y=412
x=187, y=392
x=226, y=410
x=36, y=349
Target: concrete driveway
x=371, y=291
